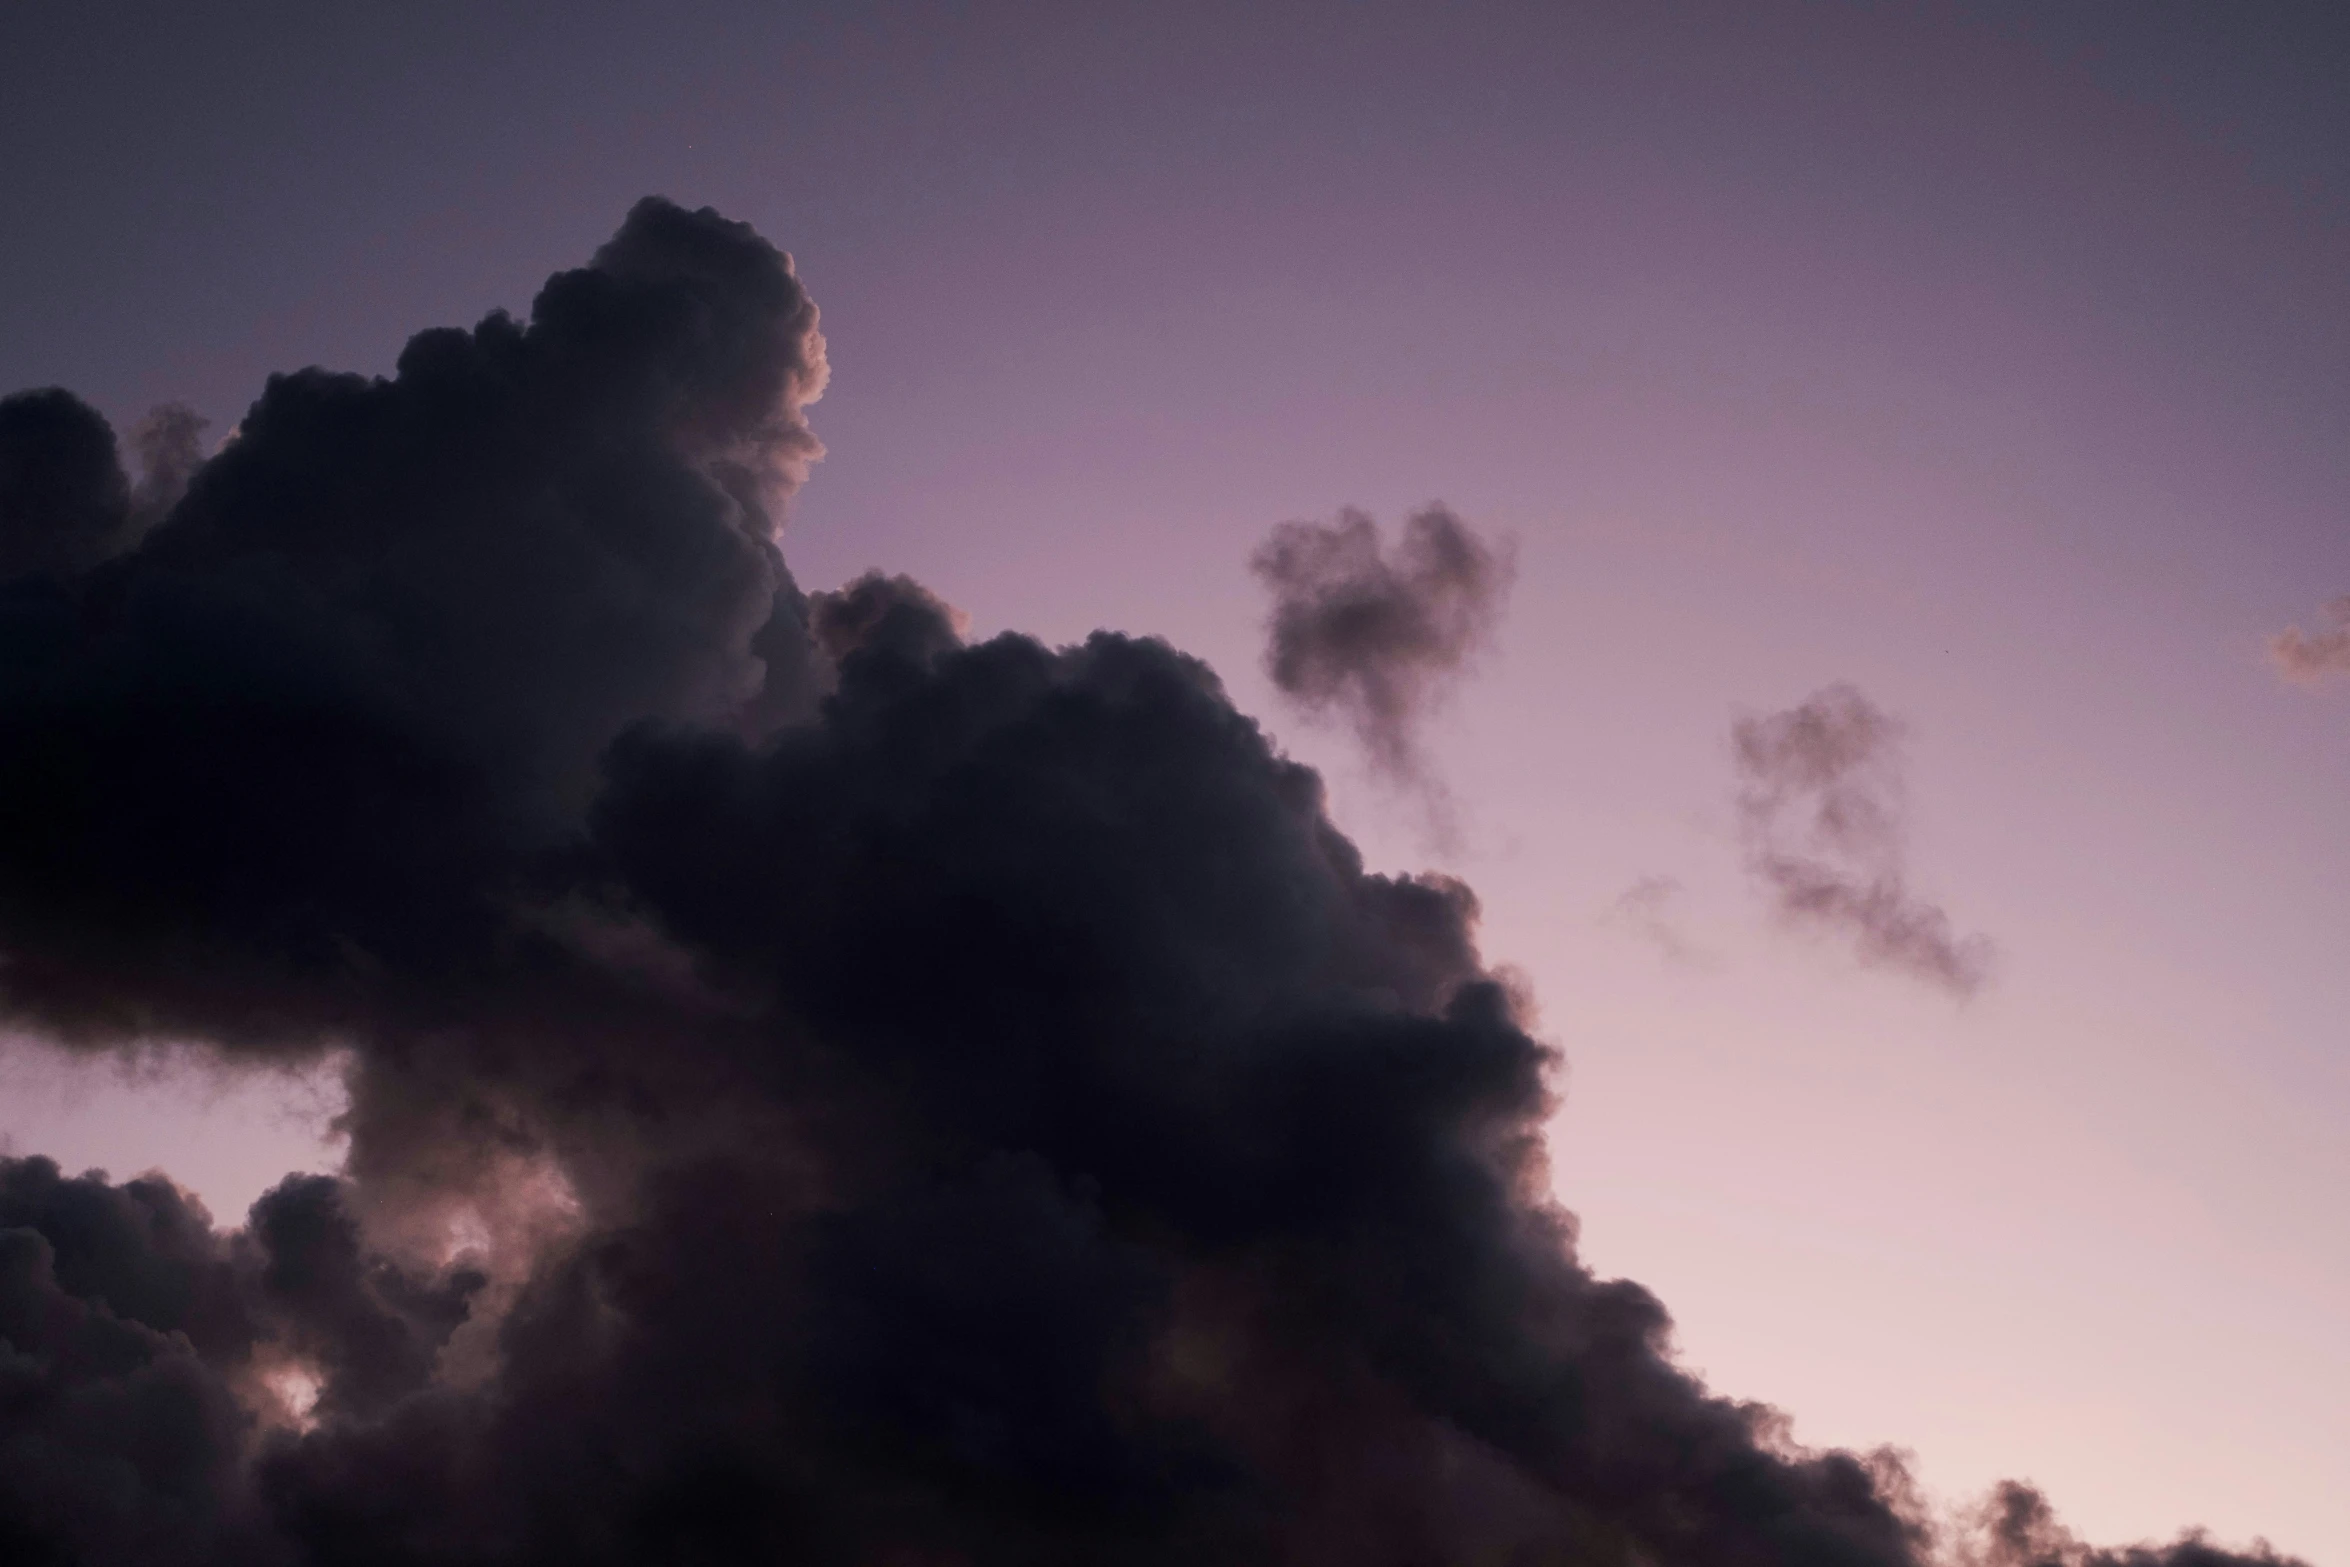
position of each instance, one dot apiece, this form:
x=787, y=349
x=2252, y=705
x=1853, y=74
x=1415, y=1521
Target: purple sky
x=1996, y=363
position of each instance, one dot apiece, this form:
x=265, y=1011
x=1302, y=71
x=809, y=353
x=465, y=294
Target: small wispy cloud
x=1650, y=910
x=1378, y=638
x=2309, y=657
x=1821, y=805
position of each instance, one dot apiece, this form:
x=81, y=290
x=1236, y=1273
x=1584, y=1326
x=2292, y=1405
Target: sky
x=1993, y=360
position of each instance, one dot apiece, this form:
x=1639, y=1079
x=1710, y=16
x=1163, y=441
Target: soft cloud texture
x=1376, y=638
x=1820, y=804
x=2015, y=1527
x=820, y=1090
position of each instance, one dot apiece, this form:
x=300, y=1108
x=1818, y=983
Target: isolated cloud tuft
x=64, y=500
x=2309, y=657
x=1820, y=806
x=1374, y=638
x=820, y=1091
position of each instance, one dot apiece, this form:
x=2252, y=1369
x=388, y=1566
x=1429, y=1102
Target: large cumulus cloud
x=821, y=1091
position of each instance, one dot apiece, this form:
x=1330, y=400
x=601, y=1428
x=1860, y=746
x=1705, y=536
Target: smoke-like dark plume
x=2309, y=657
x=1820, y=804
x=821, y=1092
x=1373, y=638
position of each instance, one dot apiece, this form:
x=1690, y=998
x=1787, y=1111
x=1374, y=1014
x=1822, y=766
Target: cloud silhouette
x=820, y=1090
x=1375, y=638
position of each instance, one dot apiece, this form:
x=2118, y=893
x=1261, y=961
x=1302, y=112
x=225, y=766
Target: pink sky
x=1998, y=376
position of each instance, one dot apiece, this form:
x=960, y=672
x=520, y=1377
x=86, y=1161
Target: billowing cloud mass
x=1373, y=638
x=2308, y=657
x=1820, y=805
x=821, y=1091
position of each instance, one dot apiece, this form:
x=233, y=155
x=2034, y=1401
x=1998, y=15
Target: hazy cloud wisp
x=2310, y=657
x=1820, y=809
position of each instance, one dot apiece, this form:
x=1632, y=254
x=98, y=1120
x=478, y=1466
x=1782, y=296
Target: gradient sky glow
x=1995, y=359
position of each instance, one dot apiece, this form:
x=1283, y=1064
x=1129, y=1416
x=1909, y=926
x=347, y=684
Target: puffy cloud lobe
x=2017, y=1528
x=118, y=1443
x=1372, y=637
x=380, y=643
x=912, y=1101
x=135, y=1345
x=2309, y=657
x=65, y=502
x=1820, y=811
x=895, y=617
x=369, y=1331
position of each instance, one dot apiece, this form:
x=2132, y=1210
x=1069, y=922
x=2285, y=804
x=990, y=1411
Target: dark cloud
x=1376, y=638
x=896, y=616
x=2308, y=657
x=2017, y=1528
x=1820, y=805
x=139, y=1349
x=820, y=1091
x=64, y=501
x=380, y=643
